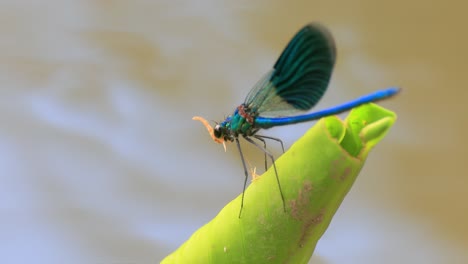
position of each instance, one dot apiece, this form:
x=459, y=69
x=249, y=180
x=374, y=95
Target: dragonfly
x=296, y=83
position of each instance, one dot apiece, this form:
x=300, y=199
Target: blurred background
x=100, y=161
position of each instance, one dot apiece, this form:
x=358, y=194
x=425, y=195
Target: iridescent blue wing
x=299, y=77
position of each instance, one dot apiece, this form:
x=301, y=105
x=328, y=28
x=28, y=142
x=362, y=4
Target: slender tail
x=266, y=122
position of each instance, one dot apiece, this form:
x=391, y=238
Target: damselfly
x=296, y=83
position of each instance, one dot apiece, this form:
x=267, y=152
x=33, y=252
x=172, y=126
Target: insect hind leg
x=264, y=147
x=260, y=137
x=274, y=166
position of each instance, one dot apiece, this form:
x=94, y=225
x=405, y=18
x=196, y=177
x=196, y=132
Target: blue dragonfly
x=296, y=83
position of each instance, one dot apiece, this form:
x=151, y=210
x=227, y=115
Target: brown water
x=101, y=163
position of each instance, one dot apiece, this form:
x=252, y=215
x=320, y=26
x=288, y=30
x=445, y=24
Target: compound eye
x=218, y=131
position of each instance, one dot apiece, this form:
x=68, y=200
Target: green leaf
x=316, y=173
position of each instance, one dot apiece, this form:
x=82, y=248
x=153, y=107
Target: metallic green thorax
x=241, y=122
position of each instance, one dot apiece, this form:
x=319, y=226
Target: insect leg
x=245, y=173
x=272, y=138
x=274, y=166
x=264, y=146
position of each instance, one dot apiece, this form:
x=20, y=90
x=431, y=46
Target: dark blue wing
x=299, y=77
x=303, y=70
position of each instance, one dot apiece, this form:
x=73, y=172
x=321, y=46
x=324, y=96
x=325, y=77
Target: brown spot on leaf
x=338, y=171
x=303, y=197
x=309, y=223
x=346, y=173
